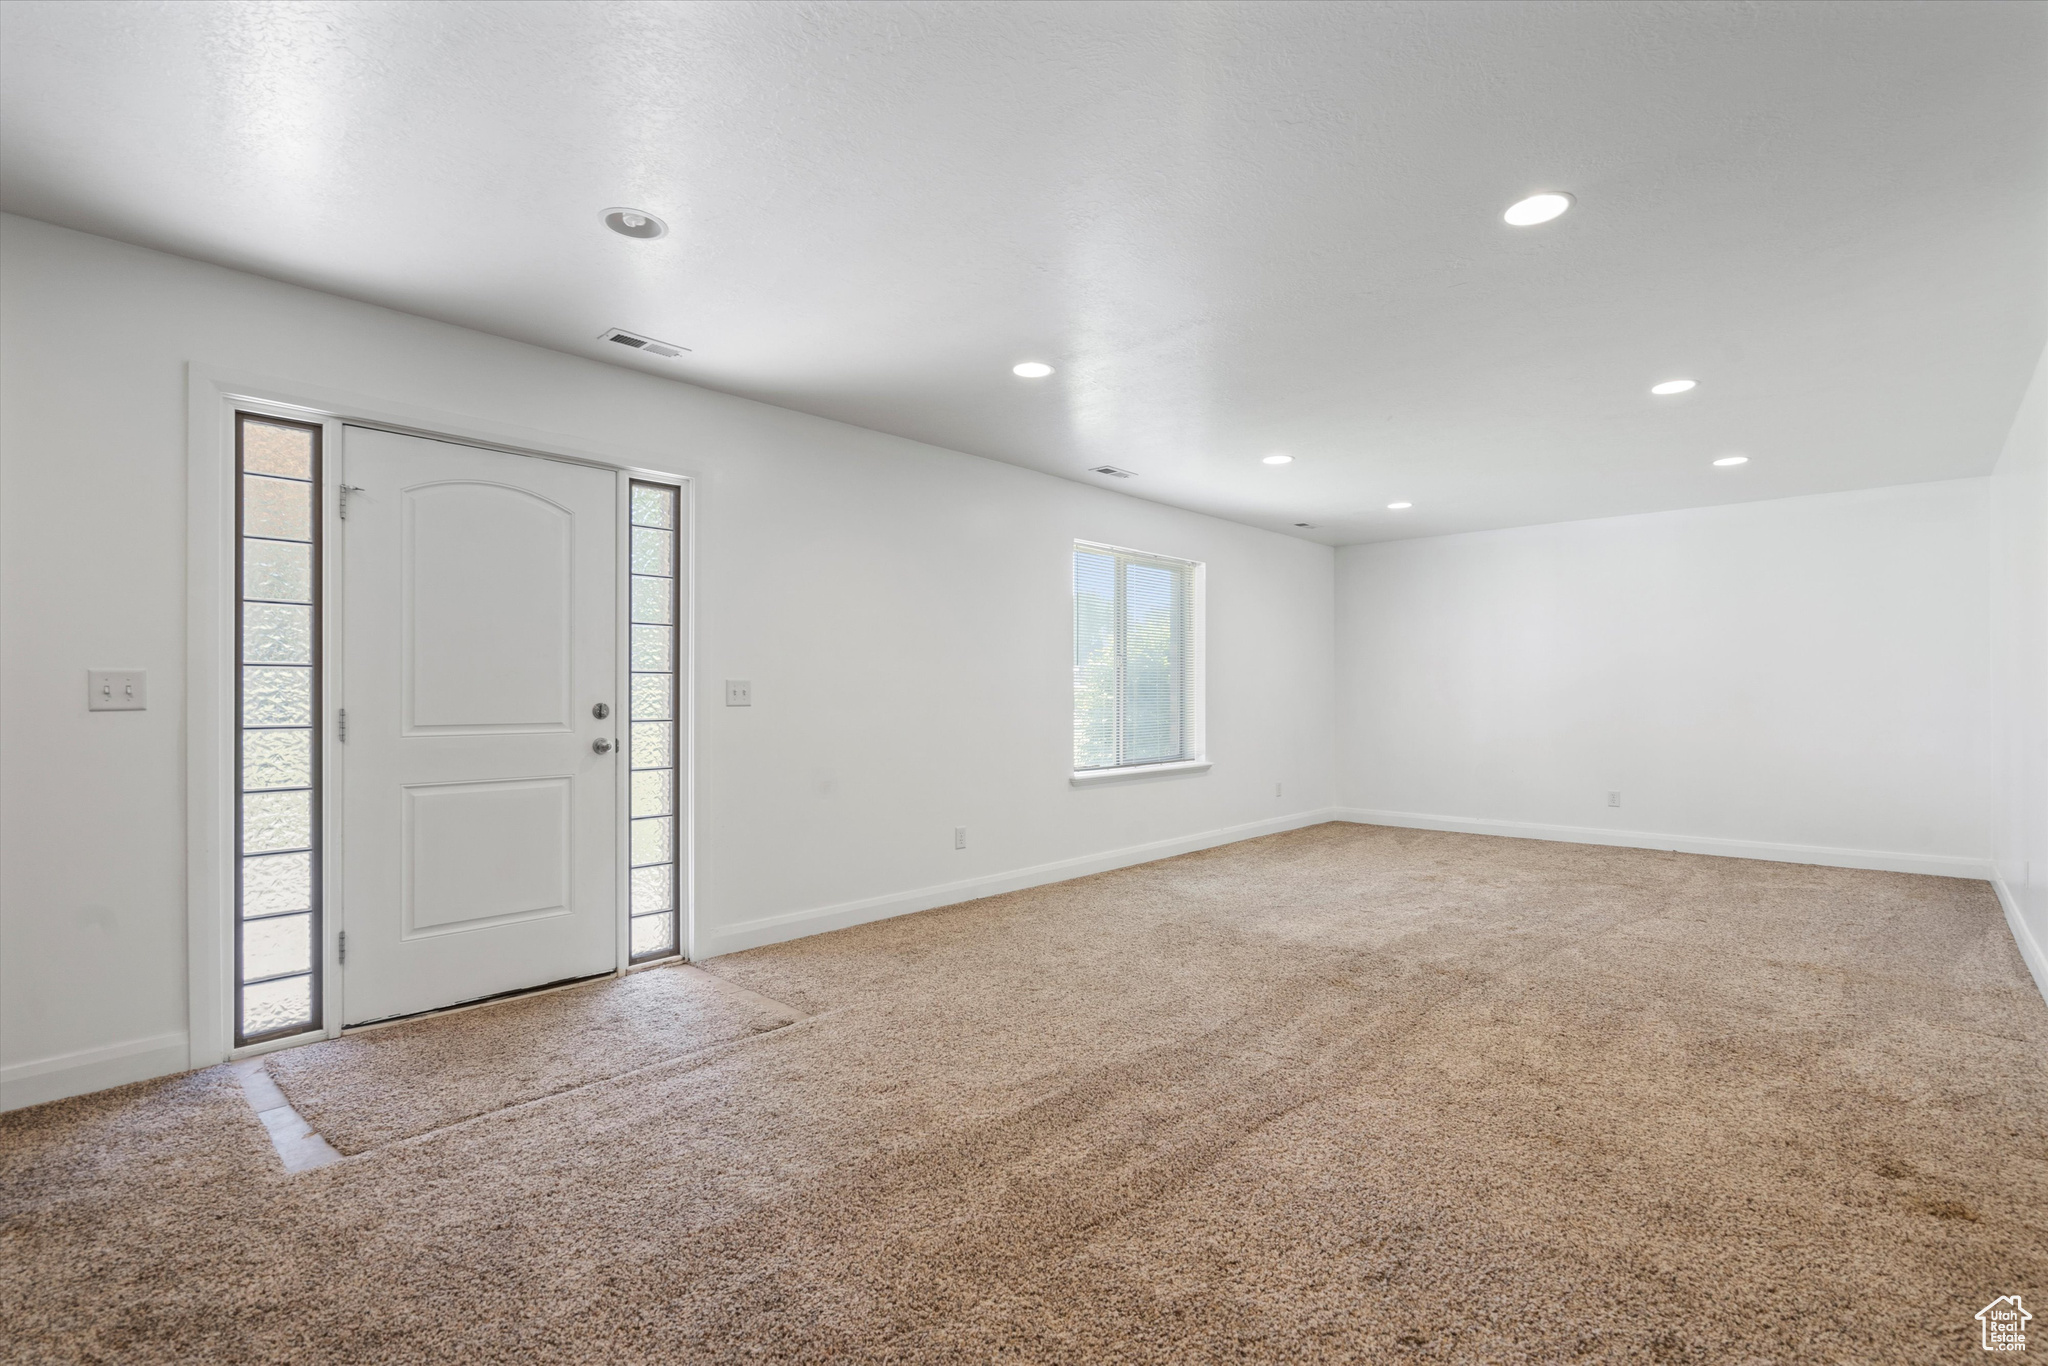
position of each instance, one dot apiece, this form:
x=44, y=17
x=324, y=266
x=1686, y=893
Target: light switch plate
x=739, y=692
x=116, y=689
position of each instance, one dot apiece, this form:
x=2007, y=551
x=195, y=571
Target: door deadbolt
x=600, y=711
x=601, y=746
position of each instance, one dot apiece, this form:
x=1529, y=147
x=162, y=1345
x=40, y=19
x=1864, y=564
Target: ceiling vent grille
x=1112, y=471
x=666, y=350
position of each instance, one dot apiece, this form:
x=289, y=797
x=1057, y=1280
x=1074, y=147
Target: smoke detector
x=666, y=350
x=1112, y=471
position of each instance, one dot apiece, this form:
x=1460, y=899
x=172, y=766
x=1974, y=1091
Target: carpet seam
x=698, y=1055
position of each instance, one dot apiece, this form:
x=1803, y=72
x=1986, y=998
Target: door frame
x=214, y=396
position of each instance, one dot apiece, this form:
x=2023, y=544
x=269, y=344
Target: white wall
x=2019, y=540
x=902, y=611
x=1805, y=678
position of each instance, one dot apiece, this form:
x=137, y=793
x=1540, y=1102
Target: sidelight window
x=277, y=744
x=655, y=921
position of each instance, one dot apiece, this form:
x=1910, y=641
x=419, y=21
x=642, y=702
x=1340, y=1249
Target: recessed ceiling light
x=1031, y=369
x=1537, y=208
x=634, y=223
x=1277, y=460
x=1674, y=386
x=1733, y=460
x=1396, y=507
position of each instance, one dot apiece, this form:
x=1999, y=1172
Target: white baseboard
x=1935, y=865
x=2030, y=948
x=91, y=1069
x=776, y=929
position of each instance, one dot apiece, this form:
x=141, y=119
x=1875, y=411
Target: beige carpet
x=367, y=1089
x=1346, y=1094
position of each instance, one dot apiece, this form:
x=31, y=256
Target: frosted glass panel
x=654, y=744
x=277, y=697
x=653, y=505
x=277, y=758
x=651, y=599
x=277, y=633
x=276, y=820
x=652, y=842
x=652, y=888
x=651, y=795
x=653, y=934
x=277, y=882
x=651, y=697
x=277, y=554
x=655, y=926
x=652, y=649
x=281, y=571
x=277, y=450
x=269, y=1007
x=282, y=944
x=278, y=508
x=653, y=551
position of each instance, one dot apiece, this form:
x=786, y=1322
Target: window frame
x=241, y=417
x=678, y=718
x=1193, y=682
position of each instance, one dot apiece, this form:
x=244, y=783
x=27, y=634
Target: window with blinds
x=1137, y=685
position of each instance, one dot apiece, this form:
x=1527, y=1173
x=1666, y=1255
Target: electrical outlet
x=1614, y=799
x=1276, y=789
x=116, y=690
x=739, y=692
x=959, y=837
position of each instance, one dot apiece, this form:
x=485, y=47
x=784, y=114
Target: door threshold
x=563, y=984
x=668, y=961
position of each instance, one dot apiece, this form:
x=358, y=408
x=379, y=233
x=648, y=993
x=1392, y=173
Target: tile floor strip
x=298, y=1147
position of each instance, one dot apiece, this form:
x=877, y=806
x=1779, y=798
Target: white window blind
x=1136, y=659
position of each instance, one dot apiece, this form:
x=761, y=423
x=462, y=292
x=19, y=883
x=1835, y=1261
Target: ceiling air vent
x=1306, y=526
x=1112, y=471
x=666, y=350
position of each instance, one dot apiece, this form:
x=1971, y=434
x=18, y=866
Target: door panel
x=477, y=852
x=480, y=627
x=489, y=632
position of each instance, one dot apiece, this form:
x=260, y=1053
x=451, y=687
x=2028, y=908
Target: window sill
x=1104, y=775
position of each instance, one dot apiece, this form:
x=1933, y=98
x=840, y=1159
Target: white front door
x=480, y=841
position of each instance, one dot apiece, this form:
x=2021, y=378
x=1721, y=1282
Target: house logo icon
x=2005, y=1324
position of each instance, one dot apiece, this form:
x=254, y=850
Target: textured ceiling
x=1235, y=228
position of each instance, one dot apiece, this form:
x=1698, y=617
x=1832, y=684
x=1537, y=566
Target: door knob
x=601, y=746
